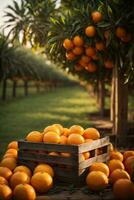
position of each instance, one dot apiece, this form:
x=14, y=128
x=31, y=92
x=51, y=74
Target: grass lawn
x=67, y=106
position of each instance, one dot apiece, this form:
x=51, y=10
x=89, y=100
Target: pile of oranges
x=85, y=55
x=20, y=182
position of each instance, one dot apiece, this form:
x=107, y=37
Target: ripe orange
x=78, y=50
x=3, y=181
x=118, y=174
x=60, y=127
x=70, y=55
x=9, y=155
x=108, y=64
x=85, y=59
x=76, y=129
x=75, y=139
x=18, y=178
x=81, y=63
x=91, y=67
x=129, y=165
x=96, y=16
x=51, y=137
x=86, y=155
x=5, y=172
x=24, y=191
x=100, y=46
x=53, y=128
x=91, y=133
x=13, y=152
x=78, y=41
x=66, y=132
x=41, y=181
x=99, y=167
x=5, y=192
x=115, y=164
x=120, y=32
x=90, y=31
x=23, y=168
x=116, y=155
x=96, y=180
x=78, y=67
x=63, y=139
x=44, y=168
x=13, y=145
x=53, y=154
x=128, y=154
x=90, y=51
x=127, y=38
x=68, y=44
x=9, y=163
x=122, y=189
x=66, y=154
x=34, y=136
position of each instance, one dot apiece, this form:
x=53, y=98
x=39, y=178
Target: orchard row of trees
x=93, y=39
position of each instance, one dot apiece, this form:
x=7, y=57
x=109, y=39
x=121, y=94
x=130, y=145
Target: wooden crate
x=67, y=169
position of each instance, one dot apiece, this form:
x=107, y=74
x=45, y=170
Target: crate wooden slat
x=67, y=169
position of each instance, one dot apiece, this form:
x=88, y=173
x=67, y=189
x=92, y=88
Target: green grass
x=67, y=106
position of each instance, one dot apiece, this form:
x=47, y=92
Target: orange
x=91, y=133
x=82, y=63
x=5, y=172
x=108, y=64
x=85, y=58
x=63, y=139
x=53, y=128
x=100, y=46
x=76, y=129
x=78, y=41
x=90, y=51
x=90, y=31
x=41, y=181
x=75, y=139
x=18, y=178
x=118, y=174
x=44, y=168
x=9, y=155
x=99, y=151
x=96, y=16
x=34, y=136
x=99, y=167
x=78, y=67
x=129, y=162
x=68, y=44
x=116, y=155
x=122, y=189
x=66, y=154
x=96, y=180
x=91, y=67
x=51, y=137
x=13, y=152
x=120, y=32
x=9, y=163
x=86, y=155
x=126, y=38
x=3, y=181
x=24, y=192
x=23, y=168
x=13, y=145
x=53, y=154
x=128, y=154
x=66, y=131
x=95, y=57
x=78, y=50
x=70, y=55
x=5, y=192
x=88, y=140
x=115, y=164
x=60, y=127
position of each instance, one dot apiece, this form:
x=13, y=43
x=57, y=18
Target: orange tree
x=94, y=39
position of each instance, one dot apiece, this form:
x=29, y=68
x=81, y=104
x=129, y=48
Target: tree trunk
x=26, y=88
x=14, y=88
x=120, y=127
x=4, y=89
x=101, y=102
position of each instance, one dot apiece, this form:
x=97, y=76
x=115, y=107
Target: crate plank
x=47, y=147
x=94, y=145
